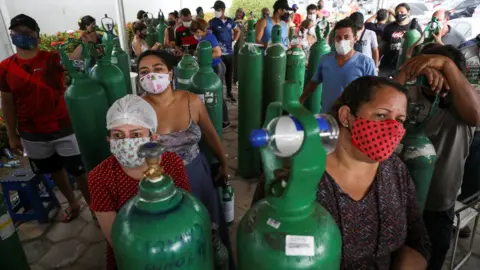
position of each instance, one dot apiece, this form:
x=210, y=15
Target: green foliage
x=251, y=5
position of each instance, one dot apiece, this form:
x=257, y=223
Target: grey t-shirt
x=369, y=42
x=451, y=138
x=453, y=37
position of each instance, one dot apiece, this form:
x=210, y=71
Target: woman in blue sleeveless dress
x=182, y=120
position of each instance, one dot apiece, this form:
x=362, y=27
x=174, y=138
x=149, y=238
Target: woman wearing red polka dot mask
x=366, y=187
x=131, y=121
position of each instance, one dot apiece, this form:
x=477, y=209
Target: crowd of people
x=366, y=187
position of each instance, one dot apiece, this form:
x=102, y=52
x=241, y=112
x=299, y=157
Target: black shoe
x=226, y=125
x=231, y=98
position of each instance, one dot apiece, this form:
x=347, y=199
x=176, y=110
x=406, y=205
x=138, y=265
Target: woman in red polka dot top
x=131, y=121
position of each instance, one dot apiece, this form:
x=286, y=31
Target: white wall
x=60, y=15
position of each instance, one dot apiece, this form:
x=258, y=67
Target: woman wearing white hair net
x=131, y=121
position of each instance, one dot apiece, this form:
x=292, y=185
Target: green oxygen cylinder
x=291, y=33
x=121, y=60
x=208, y=86
x=87, y=106
x=317, y=50
x=296, y=61
x=12, y=255
x=275, y=68
x=433, y=27
x=408, y=40
x=162, y=227
x=161, y=28
x=151, y=35
x=228, y=201
x=249, y=103
x=108, y=26
x=107, y=74
x=185, y=70
x=289, y=229
x=416, y=150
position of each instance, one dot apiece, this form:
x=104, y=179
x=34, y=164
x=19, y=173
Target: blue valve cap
x=259, y=138
x=322, y=124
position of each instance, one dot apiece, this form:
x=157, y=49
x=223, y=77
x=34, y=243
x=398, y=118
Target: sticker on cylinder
x=183, y=81
x=273, y=223
x=114, y=60
x=7, y=228
x=298, y=245
x=202, y=97
x=210, y=98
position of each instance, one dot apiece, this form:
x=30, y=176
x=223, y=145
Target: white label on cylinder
x=202, y=97
x=114, y=60
x=298, y=245
x=183, y=81
x=7, y=228
x=228, y=208
x=273, y=223
x=287, y=138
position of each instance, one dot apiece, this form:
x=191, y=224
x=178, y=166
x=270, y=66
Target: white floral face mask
x=125, y=151
x=155, y=83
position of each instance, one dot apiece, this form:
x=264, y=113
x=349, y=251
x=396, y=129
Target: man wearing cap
x=367, y=39
x=227, y=33
x=32, y=89
x=263, y=29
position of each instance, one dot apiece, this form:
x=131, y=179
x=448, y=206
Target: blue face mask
x=25, y=42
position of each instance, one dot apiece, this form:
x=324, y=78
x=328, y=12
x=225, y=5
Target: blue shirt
x=335, y=78
x=213, y=41
x=267, y=33
x=223, y=33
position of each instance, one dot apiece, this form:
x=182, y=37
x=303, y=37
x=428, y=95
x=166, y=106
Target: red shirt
x=185, y=37
x=110, y=187
x=37, y=87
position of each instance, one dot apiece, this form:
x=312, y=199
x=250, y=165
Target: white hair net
x=132, y=110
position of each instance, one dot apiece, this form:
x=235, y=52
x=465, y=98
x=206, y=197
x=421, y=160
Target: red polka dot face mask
x=377, y=139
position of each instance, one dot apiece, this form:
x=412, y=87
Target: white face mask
x=343, y=47
x=187, y=24
x=155, y=83
x=197, y=37
x=218, y=14
x=312, y=17
x=125, y=151
x=311, y=31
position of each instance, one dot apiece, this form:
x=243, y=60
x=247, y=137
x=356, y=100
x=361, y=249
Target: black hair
x=85, y=21
x=174, y=14
x=345, y=23
x=311, y=7
x=382, y=14
x=361, y=91
x=185, y=12
x=165, y=56
x=141, y=14
x=280, y=4
x=405, y=5
x=199, y=9
x=357, y=19
x=451, y=52
x=139, y=26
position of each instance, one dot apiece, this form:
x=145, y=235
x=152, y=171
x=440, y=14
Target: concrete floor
x=81, y=245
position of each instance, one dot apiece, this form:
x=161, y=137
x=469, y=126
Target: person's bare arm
x=77, y=53
x=376, y=56
x=465, y=99
x=208, y=131
x=105, y=220
x=310, y=88
x=372, y=18
x=216, y=52
x=137, y=47
x=408, y=258
x=166, y=40
x=9, y=113
x=259, y=30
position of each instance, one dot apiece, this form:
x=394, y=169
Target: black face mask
x=171, y=23
x=320, y=6
x=265, y=15
x=285, y=17
x=400, y=17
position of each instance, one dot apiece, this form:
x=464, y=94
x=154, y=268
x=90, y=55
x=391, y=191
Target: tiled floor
x=80, y=244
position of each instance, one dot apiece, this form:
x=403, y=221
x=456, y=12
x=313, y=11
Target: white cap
x=132, y=110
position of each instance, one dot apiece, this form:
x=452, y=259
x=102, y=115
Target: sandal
x=70, y=214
